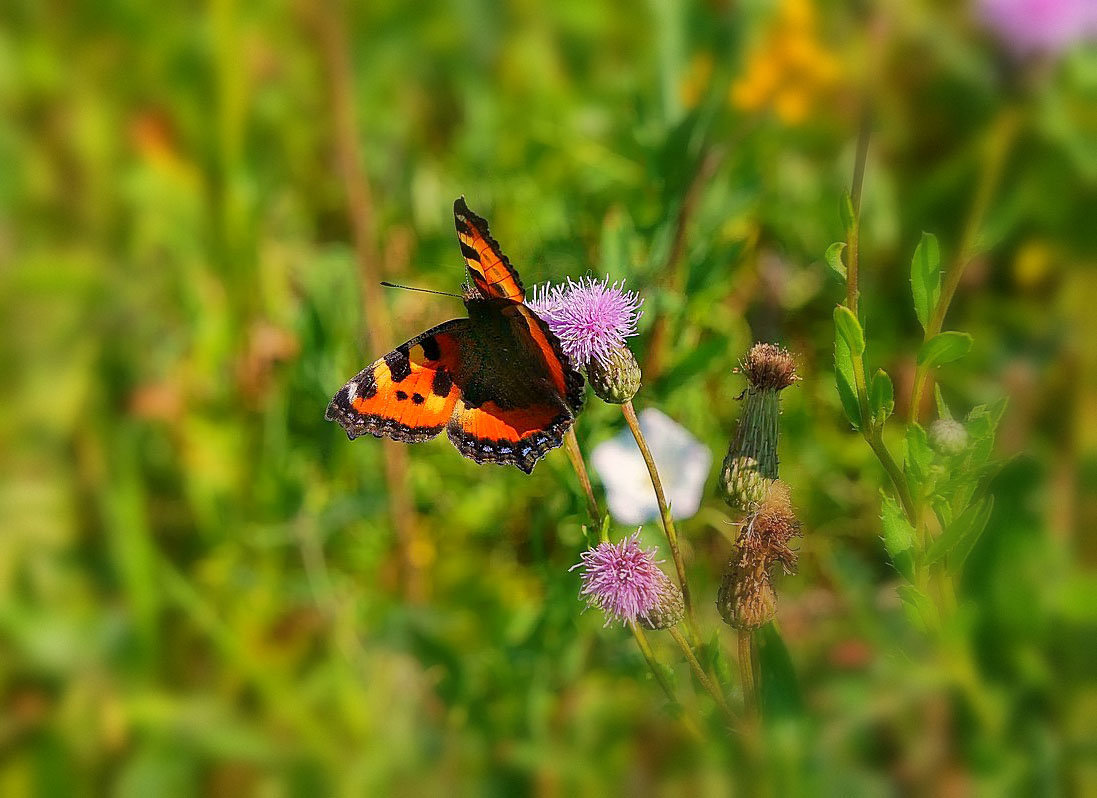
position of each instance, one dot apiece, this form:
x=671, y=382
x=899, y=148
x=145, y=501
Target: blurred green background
x=205, y=589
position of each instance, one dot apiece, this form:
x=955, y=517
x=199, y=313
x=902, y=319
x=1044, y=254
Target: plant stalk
x=710, y=687
x=575, y=455
x=660, y=677
x=747, y=673
x=335, y=48
x=664, y=512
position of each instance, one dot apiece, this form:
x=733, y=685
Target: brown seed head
x=746, y=599
x=769, y=367
x=776, y=522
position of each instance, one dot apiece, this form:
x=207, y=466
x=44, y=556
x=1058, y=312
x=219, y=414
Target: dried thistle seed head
x=743, y=484
x=947, y=436
x=746, y=599
x=669, y=611
x=616, y=377
x=768, y=367
x=773, y=526
x=776, y=522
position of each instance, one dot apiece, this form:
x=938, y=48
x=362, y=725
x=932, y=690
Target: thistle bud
x=743, y=484
x=947, y=436
x=751, y=461
x=616, y=378
x=746, y=599
x=668, y=612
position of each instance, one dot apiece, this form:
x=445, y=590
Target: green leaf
x=850, y=329
x=844, y=379
x=899, y=538
x=925, y=278
x=944, y=348
x=845, y=210
x=942, y=408
x=834, y=259
x=779, y=688
x=881, y=396
x=918, y=460
x=919, y=608
x=982, y=420
x=970, y=534
x=960, y=537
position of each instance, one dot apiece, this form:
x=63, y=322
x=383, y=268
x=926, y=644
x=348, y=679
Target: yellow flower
x=790, y=72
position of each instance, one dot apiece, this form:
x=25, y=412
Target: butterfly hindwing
x=517, y=436
x=516, y=422
x=490, y=269
x=409, y=394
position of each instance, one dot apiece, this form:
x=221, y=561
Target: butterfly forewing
x=489, y=268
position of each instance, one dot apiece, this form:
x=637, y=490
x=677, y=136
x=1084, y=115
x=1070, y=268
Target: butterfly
x=497, y=381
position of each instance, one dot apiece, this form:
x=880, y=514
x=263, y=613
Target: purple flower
x=623, y=580
x=1040, y=26
x=592, y=318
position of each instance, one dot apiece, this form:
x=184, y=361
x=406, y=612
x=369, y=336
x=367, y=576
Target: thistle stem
x=747, y=673
x=660, y=677
x=664, y=512
x=702, y=677
x=575, y=455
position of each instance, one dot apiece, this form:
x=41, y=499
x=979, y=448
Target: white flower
x=683, y=464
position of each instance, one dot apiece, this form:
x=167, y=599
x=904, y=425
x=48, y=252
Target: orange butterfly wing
x=520, y=429
x=409, y=394
x=490, y=269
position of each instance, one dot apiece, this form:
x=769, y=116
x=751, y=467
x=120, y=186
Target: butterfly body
x=496, y=381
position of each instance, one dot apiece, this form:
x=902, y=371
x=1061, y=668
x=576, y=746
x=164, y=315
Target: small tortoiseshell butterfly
x=497, y=381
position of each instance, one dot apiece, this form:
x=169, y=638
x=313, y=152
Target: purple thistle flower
x=623, y=580
x=1040, y=26
x=592, y=318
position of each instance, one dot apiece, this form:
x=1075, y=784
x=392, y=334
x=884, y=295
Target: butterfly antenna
x=387, y=284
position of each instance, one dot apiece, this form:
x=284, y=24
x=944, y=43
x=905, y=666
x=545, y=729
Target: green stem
x=747, y=673
x=664, y=512
x=575, y=455
x=702, y=677
x=657, y=672
x=998, y=146
x=853, y=234
x=895, y=474
x=869, y=430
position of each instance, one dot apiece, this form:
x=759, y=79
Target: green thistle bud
x=616, y=379
x=947, y=436
x=670, y=610
x=751, y=461
x=743, y=484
